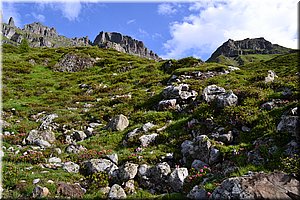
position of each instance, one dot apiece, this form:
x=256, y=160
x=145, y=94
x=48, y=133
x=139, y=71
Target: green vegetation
x=124, y=84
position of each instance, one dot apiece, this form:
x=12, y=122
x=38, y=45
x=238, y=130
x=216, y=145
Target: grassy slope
x=31, y=89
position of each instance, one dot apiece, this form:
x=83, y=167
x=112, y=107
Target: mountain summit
x=232, y=49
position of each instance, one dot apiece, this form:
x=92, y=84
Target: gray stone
x=143, y=171
x=128, y=171
x=79, y=135
x=180, y=93
x=271, y=76
x=211, y=92
x=70, y=190
x=197, y=193
x=214, y=156
x=198, y=164
x=146, y=127
x=116, y=192
x=226, y=138
x=268, y=105
x=177, y=178
x=118, y=123
x=42, y=143
x=75, y=148
x=71, y=167
x=45, y=135
x=227, y=99
x=99, y=165
x=162, y=169
x=148, y=139
x=54, y=160
x=35, y=181
x=289, y=124
x=129, y=187
x=46, y=121
x=40, y=192
x=169, y=104
x=113, y=157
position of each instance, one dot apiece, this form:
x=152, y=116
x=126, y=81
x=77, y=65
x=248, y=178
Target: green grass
x=34, y=88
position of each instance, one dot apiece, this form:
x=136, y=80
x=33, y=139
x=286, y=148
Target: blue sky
x=171, y=29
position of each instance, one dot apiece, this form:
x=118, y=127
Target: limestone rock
x=276, y=185
x=177, y=178
x=45, y=135
x=124, y=44
x=73, y=63
x=128, y=171
x=169, y=104
x=129, y=187
x=99, y=165
x=117, y=192
x=75, y=148
x=71, y=167
x=227, y=99
x=148, y=139
x=70, y=190
x=211, y=92
x=118, y=123
x=40, y=192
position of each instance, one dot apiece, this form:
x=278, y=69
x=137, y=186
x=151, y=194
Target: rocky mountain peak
x=125, y=44
x=40, y=29
x=260, y=45
x=11, y=22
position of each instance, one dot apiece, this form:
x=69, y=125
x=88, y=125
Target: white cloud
x=217, y=21
x=166, y=9
x=39, y=17
x=130, y=21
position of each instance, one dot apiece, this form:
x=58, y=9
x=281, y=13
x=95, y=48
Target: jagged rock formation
x=233, y=49
x=38, y=35
x=124, y=44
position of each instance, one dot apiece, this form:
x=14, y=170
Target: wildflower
x=208, y=193
x=201, y=170
x=205, y=167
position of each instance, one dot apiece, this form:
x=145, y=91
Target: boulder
x=227, y=99
x=73, y=63
x=71, y=167
x=214, y=156
x=177, y=178
x=79, y=135
x=54, y=160
x=45, y=135
x=211, y=92
x=75, y=148
x=276, y=185
x=113, y=157
x=271, y=76
x=40, y=192
x=169, y=104
x=129, y=187
x=148, y=139
x=42, y=143
x=128, y=171
x=116, y=192
x=182, y=93
x=289, y=124
x=46, y=121
x=197, y=193
x=198, y=164
x=70, y=190
x=118, y=123
x=99, y=165
x=162, y=169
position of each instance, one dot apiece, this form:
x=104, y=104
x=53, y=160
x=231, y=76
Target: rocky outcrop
x=73, y=63
x=38, y=35
x=233, y=48
x=276, y=185
x=123, y=43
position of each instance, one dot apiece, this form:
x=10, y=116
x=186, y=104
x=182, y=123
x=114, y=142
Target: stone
x=231, y=68
x=71, y=167
x=70, y=190
x=11, y=22
x=143, y=171
x=79, y=135
x=75, y=148
x=45, y=135
x=46, y=121
x=268, y=105
x=180, y=93
x=128, y=171
x=42, y=143
x=197, y=193
x=40, y=192
x=214, y=156
x=198, y=164
x=146, y=127
x=99, y=165
x=125, y=44
x=35, y=181
x=54, y=160
x=113, y=157
x=226, y=138
x=104, y=190
x=117, y=192
x=118, y=123
x=74, y=63
x=275, y=185
x=162, y=169
x=177, y=177
x=169, y=104
x=289, y=124
x=211, y=92
x=147, y=139
x=227, y=99
x=271, y=76
x=129, y=187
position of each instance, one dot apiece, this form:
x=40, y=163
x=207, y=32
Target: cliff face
x=233, y=48
x=125, y=44
x=38, y=35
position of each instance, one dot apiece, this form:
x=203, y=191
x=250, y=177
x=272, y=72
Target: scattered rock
x=271, y=76
x=45, y=135
x=289, y=124
x=79, y=135
x=211, y=92
x=169, y=104
x=276, y=185
x=99, y=165
x=35, y=181
x=46, y=121
x=54, y=160
x=129, y=187
x=227, y=99
x=40, y=192
x=116, y=192
x=197, y=193
x=70, y=190
x=113, y=157
x=71, y=167
x=73, y=63
x=148, y=139
x=198, y=164
x=177, y=178
x=118, y=123
x=128, y=171
x=75, y=148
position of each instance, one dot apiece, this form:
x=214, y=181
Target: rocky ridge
x=233, y=49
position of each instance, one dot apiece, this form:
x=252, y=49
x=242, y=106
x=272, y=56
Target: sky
x=172, y=29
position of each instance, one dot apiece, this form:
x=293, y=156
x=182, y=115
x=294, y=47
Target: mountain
x=241, y=51
x=39, y=35
x=125, y=44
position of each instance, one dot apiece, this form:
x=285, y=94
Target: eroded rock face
x=124, y=44
x=73, y=63
x=276, y=185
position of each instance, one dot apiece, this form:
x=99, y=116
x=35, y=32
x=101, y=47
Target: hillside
x=242, y=52
x=87, y=122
